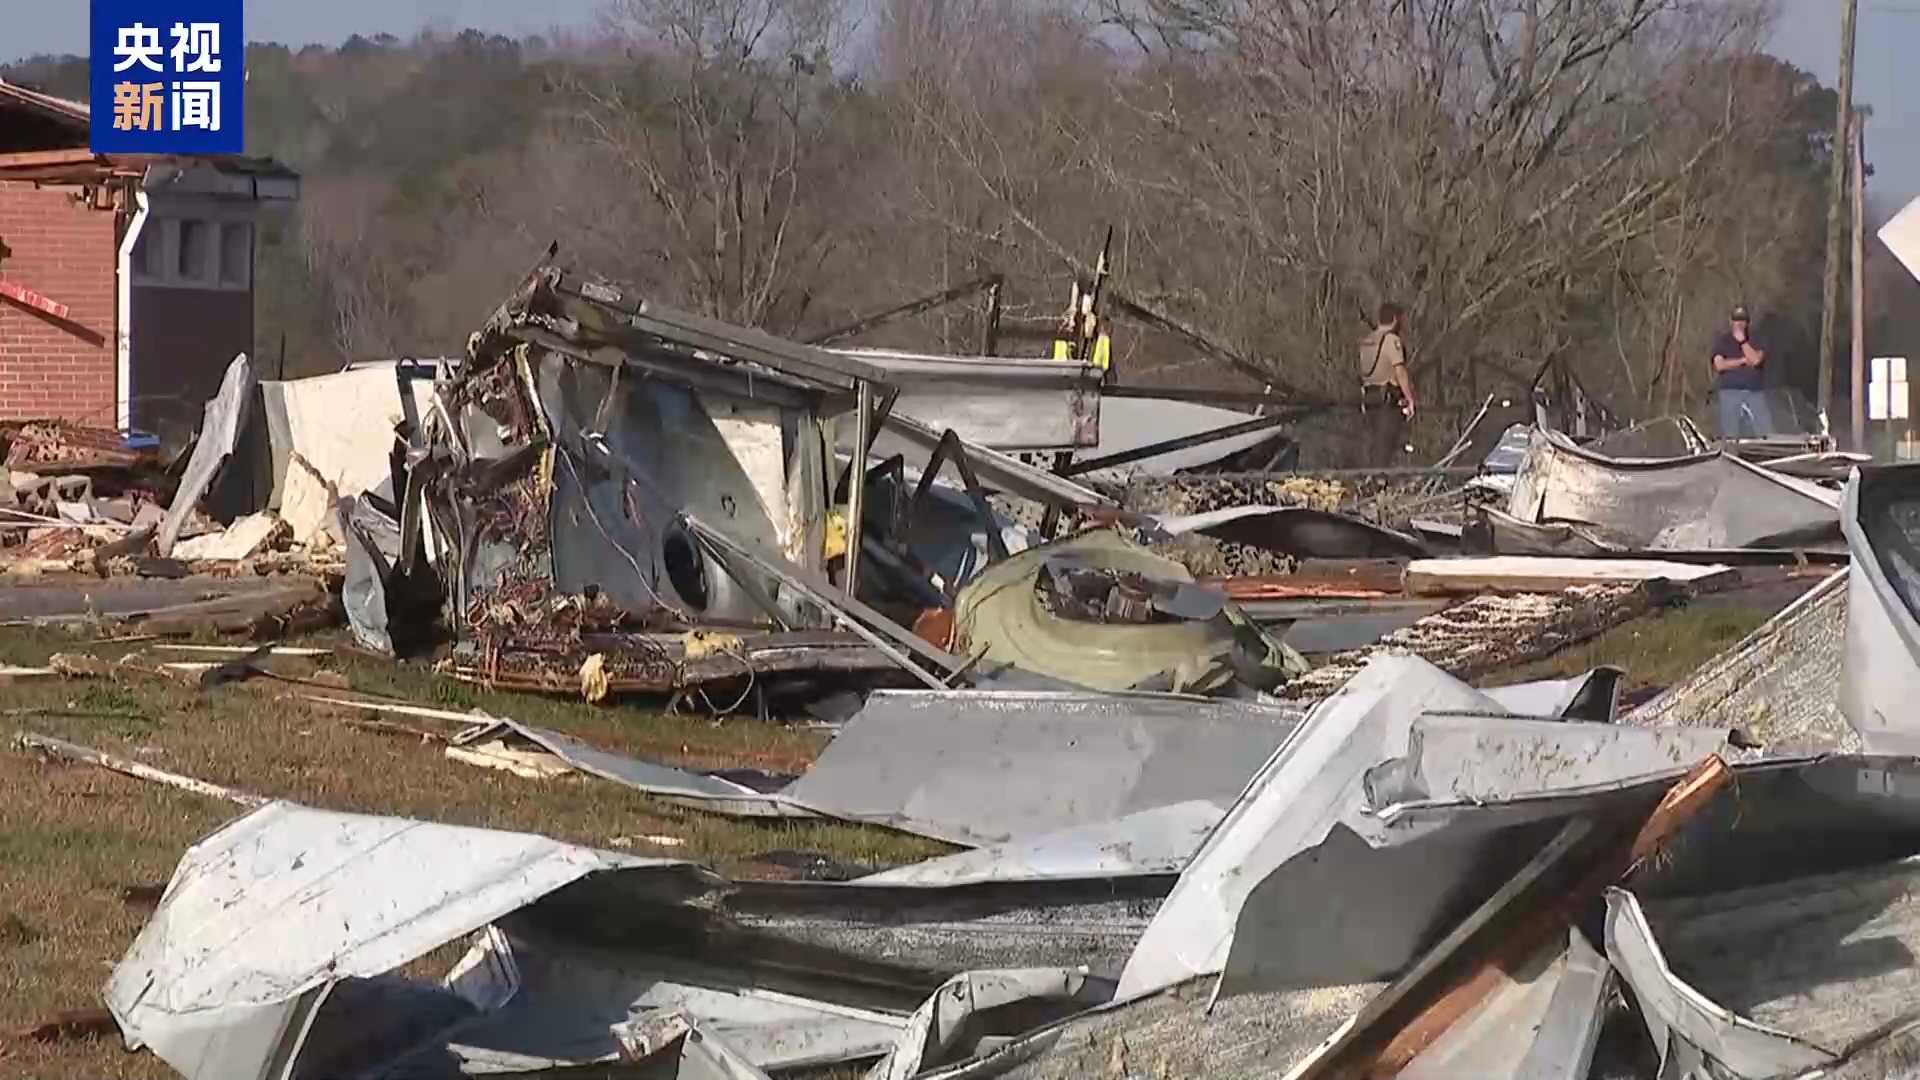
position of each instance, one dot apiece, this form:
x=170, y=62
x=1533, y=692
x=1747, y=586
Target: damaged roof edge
x=1002, y=472
x=699, y=331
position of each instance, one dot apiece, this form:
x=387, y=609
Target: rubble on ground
x=1205, y=818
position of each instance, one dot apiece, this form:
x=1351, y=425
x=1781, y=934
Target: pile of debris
x=1210, y=826
x=1411, y=877
x=612, y=496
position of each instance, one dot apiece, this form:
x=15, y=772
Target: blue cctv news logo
x=168, y=77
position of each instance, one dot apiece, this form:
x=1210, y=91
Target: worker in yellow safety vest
x=1082, y=324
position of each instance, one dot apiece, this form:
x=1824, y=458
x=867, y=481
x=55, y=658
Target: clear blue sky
x=1808, y=35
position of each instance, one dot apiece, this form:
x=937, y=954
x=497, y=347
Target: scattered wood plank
x=60, y=749
x=400, y=709
x=68, y=1024
x=245, y=611
x=11, y=675
x=206, y=676
x=1530, y=574
x=242, y=650
x=527, y=764
x=1497, y=938
x=146, y=895
x=1548, y=915
x=388, y=727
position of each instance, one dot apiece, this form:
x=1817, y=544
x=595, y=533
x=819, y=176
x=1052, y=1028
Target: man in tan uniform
x=1386, y=391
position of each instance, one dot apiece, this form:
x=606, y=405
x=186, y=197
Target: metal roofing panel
x=1303, y=790
x=263, y=917
x=983, y=767
x=1159, y=840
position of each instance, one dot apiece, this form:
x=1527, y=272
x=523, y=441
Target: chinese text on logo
x=169, y=76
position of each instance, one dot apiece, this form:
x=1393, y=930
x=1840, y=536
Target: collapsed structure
x=673, y=502
x=1255, y=826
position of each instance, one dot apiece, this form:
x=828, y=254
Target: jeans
x=1744, y=414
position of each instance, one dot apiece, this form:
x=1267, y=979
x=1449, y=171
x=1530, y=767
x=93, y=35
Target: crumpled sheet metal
x=1473, y=759
x=1594, y=696
x=225, y=418
x=1688, y=1027
x=1131, y=423
x=578, y=440
x=915, y=443
x=265, y=918
x=1780, y=814
x=1473, y=945
x=1542, y=1022
x=682, y=787
x=660, y=1045
x=363, y=590
x=1178, y=1033
x=668, y=451
x=1005, y=403
x=1880, y=670
x=1379, y=802
x=1300, y=794
x=1000, y=615
x=938, y=933
x=1301, y=531
x=1389, y=879
x=1783, y=934
x=1827, y=466
x=985, y=767
x=1706, y=503
x=896, y=641
x=960, y=1018
x=555, y=998
x=1159, y=840
x=696, y=1054
x=1662, y=437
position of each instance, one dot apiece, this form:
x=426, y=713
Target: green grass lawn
x=1654, y=650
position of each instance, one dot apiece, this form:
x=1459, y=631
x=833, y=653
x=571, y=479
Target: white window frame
x=161, y=240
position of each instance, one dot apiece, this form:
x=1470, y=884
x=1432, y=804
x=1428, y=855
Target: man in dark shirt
x=1738, y=382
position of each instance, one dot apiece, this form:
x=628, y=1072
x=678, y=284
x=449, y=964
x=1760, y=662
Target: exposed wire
x=594, y=516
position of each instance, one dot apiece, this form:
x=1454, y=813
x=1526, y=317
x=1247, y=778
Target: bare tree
x=1288, y=164
x=712, y=163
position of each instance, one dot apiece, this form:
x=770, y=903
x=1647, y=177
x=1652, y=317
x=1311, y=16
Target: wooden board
x=1534, y=574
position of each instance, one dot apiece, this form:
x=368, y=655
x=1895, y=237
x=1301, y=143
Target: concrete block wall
x=65, y=250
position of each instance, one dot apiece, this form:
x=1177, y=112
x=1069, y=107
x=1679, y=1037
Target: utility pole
x=1836, y=195
x=1858, y=152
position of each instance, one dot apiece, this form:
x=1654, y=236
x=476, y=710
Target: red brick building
x=126, y=282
